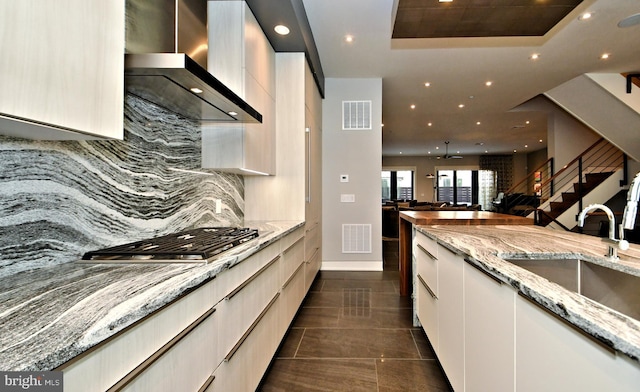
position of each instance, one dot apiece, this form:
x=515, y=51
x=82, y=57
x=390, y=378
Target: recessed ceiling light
x=527, y=122
x=604, y=56
x=281, y=29
x=196, y=90
x=461, y=105
x=429, y=124
x=437, y=148
x=427, y=84
x=486, y=152
x=585, y=16
x=540, y=140
x=400, y=152
x=478, y=122
x=445, y=1
x=488, y=83
x=232, y=113
x=526, y=146
x=348, y=38
x=535, y=56
x=413, y=106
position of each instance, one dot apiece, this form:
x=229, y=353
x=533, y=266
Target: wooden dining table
x=421, y=218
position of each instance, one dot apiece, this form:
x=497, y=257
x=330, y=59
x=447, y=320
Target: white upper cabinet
x=62, y=69
x=241, y=57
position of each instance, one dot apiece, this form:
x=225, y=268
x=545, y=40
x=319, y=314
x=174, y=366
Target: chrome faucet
x=631, y=209
x=613, y=243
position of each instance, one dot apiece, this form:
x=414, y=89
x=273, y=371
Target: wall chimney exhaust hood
x=166, y=60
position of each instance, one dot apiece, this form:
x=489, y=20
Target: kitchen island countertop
x=485, y=246
x=51, y=315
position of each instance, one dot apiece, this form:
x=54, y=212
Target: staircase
x=566, y=190
x=569, y=199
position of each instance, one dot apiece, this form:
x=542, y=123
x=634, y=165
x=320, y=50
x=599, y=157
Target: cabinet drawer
x=428, y=245
x=231, y=278
x=427, y=310
x=185, y=365
x=312, y=266
x=427, y=267
x=292, y=259
x=242, y=305
x=246, y=363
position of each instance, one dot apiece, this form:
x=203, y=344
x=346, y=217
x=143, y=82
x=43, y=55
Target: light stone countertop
x=50, y=315
x=485, y=247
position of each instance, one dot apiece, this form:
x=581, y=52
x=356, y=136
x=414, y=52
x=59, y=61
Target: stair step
x=560, y=206
x=570, y=197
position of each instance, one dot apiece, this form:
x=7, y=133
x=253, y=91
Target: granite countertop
x=484, y=246
x=50, y=315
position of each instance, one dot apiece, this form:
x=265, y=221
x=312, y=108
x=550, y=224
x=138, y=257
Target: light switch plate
x=344, y=178
x=347, y=198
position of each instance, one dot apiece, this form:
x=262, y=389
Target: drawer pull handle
x=158, y=354
x=427, y=252
x=313, y=256
x=207, y=383
x=251, y=278
x=292, y=275
x=495, y=279
x=426, y=286
x=244, y=337
x=292, y=245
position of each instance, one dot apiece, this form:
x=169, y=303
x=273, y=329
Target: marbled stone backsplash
x=59, y=199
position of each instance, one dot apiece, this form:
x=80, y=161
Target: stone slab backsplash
x=59, y=199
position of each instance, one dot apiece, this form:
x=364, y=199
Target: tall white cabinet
x=62, y=69
x=241, y=57
x=294, y=193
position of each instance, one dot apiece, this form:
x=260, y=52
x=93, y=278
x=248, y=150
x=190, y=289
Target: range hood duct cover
x=166, y=44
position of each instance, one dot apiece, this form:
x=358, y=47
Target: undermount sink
x=612, y=288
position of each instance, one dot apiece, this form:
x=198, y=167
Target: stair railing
x=600, y=157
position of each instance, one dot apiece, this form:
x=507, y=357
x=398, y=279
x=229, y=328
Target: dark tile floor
x=354, y=333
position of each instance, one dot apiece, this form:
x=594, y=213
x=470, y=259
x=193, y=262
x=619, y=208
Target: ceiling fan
x=446, y=154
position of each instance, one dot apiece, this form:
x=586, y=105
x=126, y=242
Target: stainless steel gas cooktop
x=190, y=246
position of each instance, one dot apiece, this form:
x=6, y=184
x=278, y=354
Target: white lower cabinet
x=244, y=366
x=426, y=286
x=243, y=305
x=553, y=356
x=220, y=337
x=451, y=317
x=186, y=366
x=489, y=338
x=427, y=311
x=489, y=333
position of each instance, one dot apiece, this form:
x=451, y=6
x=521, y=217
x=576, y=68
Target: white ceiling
x=458, y=68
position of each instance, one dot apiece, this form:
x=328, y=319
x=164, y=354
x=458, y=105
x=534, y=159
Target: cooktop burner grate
x=190, y=245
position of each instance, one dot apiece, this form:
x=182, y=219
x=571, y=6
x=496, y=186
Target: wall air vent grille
x=356, y=238
x=356, y=115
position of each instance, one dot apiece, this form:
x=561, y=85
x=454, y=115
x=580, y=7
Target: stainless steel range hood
x=166, y=60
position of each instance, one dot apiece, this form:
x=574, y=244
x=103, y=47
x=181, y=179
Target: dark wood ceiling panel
x=479, y=18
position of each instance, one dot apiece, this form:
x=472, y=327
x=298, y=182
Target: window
x=457, y=186
x=466, y=187
x=397, y=185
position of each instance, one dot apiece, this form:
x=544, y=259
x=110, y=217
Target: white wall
x=567, y=137
x=358, y=154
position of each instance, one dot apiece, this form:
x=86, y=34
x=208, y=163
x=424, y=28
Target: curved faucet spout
x=607, y=210
x=612, y=243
